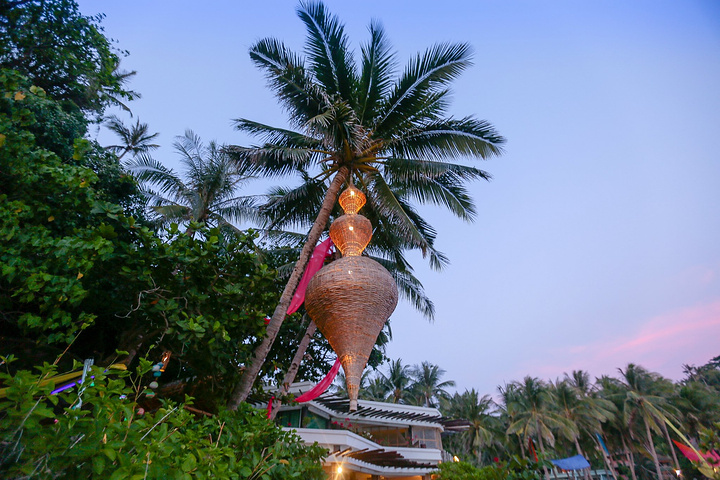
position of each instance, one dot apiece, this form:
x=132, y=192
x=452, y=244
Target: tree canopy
x=63, y=52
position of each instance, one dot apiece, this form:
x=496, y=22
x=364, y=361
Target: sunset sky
x=596, y=244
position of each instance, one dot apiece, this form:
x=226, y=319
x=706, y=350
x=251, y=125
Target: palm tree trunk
x=522, y=446
x=630, y=457
x=294, y=366
x=542, y=447
x=580, y=452
x=606, y=458
x=248, y=377
x=670, y=444
x=127, y=149
x=651, y=444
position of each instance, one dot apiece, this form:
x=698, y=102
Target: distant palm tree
x=585, y=412
x=617, y=430
x=587, y=409
x=399, y=381
x=508, y=408
x=536, y=414
x=208, y=194
x=485, y=425
x=699, y=404
x=641, y=403
x=135, y=140
x=427, y=388
x=376, y=389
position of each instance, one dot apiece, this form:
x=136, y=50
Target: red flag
x=531, y=446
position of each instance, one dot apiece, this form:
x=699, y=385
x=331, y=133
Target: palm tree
x=208, y=193
x=536, y=415
x=485, y=426
x=585, y=412
x=617, y=429
x=586, y=409
x=399, y=382
x=135, y=140
x=508, y=408
x=427, y=388
x=390, y=134
x=642, y=404
x=376, y=389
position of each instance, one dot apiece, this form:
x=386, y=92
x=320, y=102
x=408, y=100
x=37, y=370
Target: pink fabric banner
x=322, y=386
x=712, y=456
x=269, y=407
x=316, y=262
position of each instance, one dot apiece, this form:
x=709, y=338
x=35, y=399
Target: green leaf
x=110, y=453
x=190, y=463
x=119, y=474
x=98, y=464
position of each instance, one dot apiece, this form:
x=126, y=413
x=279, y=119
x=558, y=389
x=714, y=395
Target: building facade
x=378, y=441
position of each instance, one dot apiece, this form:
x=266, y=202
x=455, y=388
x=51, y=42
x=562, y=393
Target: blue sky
x=597, y=243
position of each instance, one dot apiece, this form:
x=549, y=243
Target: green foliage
x=48, y=238
x=515, y=468
x=459, y=471
x=43, y=436
x=52, y=127
x=201, y=298
x=63, y=52
x=71, y=259
x=485, y=431
x=205, y=193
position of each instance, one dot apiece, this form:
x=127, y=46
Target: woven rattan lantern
x=351, y=200
x=351, y=298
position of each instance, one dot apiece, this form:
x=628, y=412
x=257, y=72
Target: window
x=310, y=420
x=426, y=437
x=289, y=418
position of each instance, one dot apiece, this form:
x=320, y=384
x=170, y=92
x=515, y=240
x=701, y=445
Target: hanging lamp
x=351, y=298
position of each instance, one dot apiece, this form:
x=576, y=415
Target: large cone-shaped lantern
x=351, y=298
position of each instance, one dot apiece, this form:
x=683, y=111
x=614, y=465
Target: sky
x=596, y=243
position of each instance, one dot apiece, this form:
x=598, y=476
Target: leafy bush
x=46, y=436
x=515, y=468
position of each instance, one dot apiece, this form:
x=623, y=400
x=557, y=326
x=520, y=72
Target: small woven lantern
x=351, y=298
x=351, y=233
x=352, y=200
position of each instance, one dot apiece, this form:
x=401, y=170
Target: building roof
x=364, y=455
x=379, y=411
x=384, y=458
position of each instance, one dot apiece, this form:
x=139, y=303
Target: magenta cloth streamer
x=323, y=385
x=711, y=456
x=269, y=407
x=316, y=262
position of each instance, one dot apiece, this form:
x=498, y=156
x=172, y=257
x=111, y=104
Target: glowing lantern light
x=351, y=298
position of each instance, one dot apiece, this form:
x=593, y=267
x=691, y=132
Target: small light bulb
x=339, y=470
x=350, y=228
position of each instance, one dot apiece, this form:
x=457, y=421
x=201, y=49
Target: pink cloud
x=661, y=344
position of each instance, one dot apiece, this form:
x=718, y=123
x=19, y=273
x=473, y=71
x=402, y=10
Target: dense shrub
x=110, y=436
